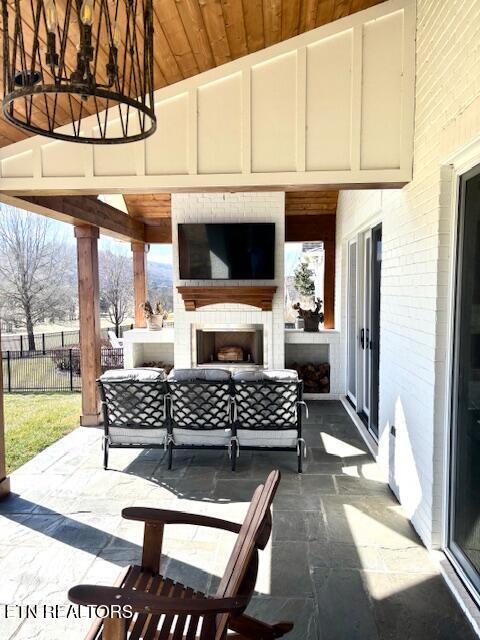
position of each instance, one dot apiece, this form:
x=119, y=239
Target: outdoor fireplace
x=229, y=345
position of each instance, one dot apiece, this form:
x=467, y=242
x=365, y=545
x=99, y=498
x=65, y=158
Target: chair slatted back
x=253, y=535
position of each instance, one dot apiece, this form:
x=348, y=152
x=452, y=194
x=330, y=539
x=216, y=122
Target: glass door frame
x=460, y=561
x=363, y=317
x=352, y=344
x=376, y=255
x=366, y=304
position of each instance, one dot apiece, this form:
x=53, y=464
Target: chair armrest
x=164, y=516
x=302, y=403
x=141, y=602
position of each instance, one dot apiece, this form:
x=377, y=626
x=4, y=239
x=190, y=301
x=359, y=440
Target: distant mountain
x=160, y=273
x=160, y=283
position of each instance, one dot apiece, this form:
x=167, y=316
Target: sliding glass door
x=464, y=529
x=363, y=324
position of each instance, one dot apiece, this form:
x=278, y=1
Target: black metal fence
x=50, y=369
x=47, y=341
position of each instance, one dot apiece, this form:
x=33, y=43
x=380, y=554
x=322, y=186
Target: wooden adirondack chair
x=168, y=610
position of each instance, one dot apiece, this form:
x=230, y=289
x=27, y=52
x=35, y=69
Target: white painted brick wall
x=231, y=207
x=416, y=258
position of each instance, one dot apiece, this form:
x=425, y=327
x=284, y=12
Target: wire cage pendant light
x=65, y=60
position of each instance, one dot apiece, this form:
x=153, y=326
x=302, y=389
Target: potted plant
x=154, y=316
x=311, y=317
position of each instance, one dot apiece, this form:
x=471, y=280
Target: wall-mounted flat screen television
x=230, y=251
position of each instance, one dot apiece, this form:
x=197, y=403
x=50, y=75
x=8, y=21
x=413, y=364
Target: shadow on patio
x=343, y=562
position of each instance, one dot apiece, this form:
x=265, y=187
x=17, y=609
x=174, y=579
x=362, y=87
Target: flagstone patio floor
x=343, y=562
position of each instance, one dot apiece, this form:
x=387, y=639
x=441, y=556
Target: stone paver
x=343, y=562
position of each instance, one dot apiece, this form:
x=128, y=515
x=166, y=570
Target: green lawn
x=34, y=421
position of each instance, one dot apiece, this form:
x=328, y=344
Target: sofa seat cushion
x=202, y=437
x=275, y=375
x=209, y=375
x=142, y=374
x=137, y=435
x=267, y=438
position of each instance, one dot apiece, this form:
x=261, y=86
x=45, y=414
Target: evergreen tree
x=303, y=279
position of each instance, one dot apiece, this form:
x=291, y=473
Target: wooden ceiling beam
x=160, y=233
x=319, y=228
x=79, y=210
x=288, y=188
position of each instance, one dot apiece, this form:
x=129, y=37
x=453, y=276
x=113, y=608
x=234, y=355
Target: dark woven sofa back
x=200, y=398
x=135, y=398
x=266, y=400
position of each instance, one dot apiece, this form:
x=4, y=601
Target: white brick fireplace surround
x=230, y=207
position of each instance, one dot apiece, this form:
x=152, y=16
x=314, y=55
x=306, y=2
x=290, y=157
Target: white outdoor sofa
x=203, y=408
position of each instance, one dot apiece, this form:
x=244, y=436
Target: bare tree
x=116, y=286
x=32, y=269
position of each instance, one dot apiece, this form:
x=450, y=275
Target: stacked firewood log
x=230, y=354
x=159, y=365
x=316, y=377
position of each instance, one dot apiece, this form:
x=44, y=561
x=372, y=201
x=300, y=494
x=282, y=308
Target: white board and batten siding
x=331, y=106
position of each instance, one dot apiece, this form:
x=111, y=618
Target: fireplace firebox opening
x=230, y=346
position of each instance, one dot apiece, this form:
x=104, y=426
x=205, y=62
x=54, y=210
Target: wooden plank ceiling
x=192, y=36
x=154, y=209
x=149, y=208
x=310, y=203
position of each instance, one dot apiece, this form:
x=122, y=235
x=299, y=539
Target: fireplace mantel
x=195, y=297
